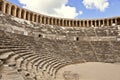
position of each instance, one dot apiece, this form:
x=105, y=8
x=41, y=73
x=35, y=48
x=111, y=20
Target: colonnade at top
x=22, y=13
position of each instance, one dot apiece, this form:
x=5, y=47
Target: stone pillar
x=9, y=9
x=24, y=15
x=95, y=23
x=76, y=23
x=107, y=22
x=55, y=21
x=99, y=23
x=36, y=18
x=116, y=21
x=33, y=17
x=73, y=23
x=52, y=21
x=69, y=23
x=3, y=6
x=87, y=23
x=91, y=23
x=41, y=19
x=79, y=23
x=47, y=21
x=62, y=22
x=83, y=23
x=19, y=13
x=59, y=22
x=14, y=12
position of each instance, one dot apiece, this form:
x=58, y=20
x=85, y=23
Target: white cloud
x=56, y=8
x=96, y=4
x=80, y=12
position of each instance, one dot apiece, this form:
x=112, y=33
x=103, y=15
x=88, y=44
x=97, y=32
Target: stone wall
x=14, y=10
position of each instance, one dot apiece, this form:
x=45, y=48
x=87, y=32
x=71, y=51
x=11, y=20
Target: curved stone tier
x=22, y=13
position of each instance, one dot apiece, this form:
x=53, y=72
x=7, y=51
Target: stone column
x=77, y=23
x=47, y=20
x=3, y=6
x=33, y=17
x=83, y=23
x=51, y=21
x=14, y=12
x=41, y=19
x=66, y=22
x=103, y=22
x=55, y=21
x=59, y=22
x=69, y=23
x=107, y=22
x=87, y=23
x=95, y=23
x=62, y=22
x=36, y=18
x=91, y=23
x=19, y=13
x=99, y=23
x=44, y=20
x=24, y=15
x=116, y=21
x=73, y=23
x=9, y=9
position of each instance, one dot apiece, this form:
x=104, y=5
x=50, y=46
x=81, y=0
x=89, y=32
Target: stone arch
x=89, y=23
x=39, y=18
x=70, y=22
x=82, y=23
x=109, y=22
x=74, y=23
x=42, y=20
x=31, y=15
x=3, y=6
x=27, y=15
x=78, y=24
x=97, y=23
x=101, y=22
x=46, y=20
x=35, y=18
x=93, y=23
x=85, y=23
x=13, y=10
x=0, y=6
x=64, y=22
x=105, y=22
x=7, y=8
x=22, y=13
x=53, y=21
x=50, y=21
x=113, y=20
x=18, y=13
x=60, y=22
x=118, y=21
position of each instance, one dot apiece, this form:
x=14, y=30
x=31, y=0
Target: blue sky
x=81, y=9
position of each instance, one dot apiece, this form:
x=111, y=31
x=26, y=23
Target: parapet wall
x=11, y=9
